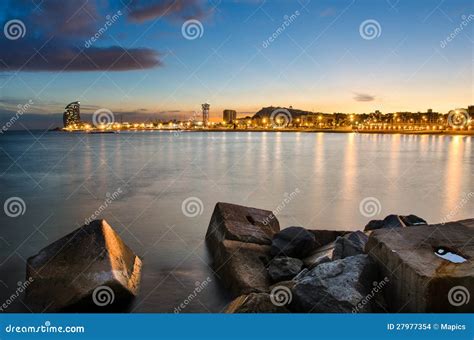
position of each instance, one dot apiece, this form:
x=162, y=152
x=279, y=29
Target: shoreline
x=383, y=132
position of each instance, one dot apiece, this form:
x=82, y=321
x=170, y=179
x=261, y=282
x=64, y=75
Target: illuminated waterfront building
x=205, y=113
x=229, y=116
x=71, y=114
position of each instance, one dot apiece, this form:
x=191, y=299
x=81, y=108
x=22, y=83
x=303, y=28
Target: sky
x=162, y=59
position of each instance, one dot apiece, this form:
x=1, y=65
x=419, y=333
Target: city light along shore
x=280, y=119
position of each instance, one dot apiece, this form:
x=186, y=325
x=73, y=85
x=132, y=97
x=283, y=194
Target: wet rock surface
x=86, y=269
x=351, y=244
x=334, y=287
x=326, y=271
x=324, y=254
x=412, y=220
x=395, y=221
x=293, y=242
x=348, y=245
x=324, y=237
x=284, y=268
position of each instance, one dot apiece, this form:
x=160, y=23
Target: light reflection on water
x=71, y=174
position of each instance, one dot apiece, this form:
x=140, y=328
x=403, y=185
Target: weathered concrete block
x=239, y=223
x=238, y=238
x=419, y=280
x=242, y=266
x=66, y=273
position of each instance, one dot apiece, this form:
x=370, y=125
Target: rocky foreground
x=88, y=270
x=399, y=264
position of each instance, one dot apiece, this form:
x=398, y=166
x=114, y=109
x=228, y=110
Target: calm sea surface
x=313, y=180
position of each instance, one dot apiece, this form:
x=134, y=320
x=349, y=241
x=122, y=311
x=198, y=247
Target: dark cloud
x=363, y=97
x=56, y=36
x=144, y=10
x=58, y=57
x=77, y=18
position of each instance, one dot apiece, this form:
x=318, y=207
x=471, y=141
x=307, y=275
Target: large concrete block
x=419, y=279
x=238, y=239
x=242, y=266
x=88, y=268
x=239, y=223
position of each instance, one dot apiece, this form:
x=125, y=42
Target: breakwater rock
x=90, y=269
x=429, y=269
x=396, y=264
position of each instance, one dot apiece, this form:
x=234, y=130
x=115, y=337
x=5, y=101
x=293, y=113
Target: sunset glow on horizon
x=311, y=55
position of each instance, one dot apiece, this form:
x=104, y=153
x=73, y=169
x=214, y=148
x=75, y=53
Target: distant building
x=470, y=110
x=432, y=117
x=229, y=116
x=72, y=114
x=317, y=120
x=205, y=113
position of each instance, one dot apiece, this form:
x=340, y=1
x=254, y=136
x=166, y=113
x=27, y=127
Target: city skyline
x=315, y=56
x=457, y=121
